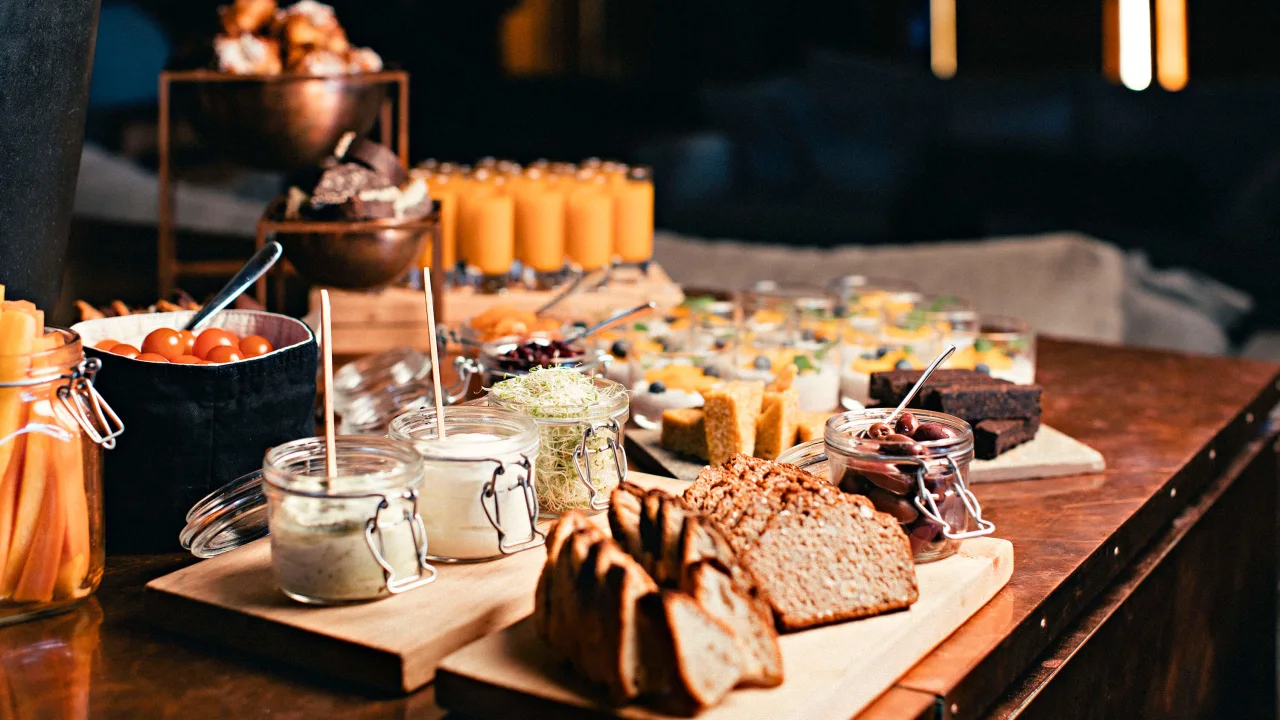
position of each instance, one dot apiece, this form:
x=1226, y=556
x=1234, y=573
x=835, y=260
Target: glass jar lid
x=844, y=433
x=374, y=373
x=604, y=399
x=227, y=518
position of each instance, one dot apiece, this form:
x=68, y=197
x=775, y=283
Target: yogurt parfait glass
x=352, y=536
x=908, y=346
x=1005, y=348
x=954, y=320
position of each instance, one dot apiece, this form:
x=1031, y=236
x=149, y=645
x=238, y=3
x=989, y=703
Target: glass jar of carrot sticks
x=53, y=426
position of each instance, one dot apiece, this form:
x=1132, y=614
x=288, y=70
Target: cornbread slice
x=810, y=426
x=684, y=431
x=776, y=425
x=729, y=413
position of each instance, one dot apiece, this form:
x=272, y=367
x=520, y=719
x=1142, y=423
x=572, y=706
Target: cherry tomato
x=126, y=350
x=188, y=360
x=212, y=338
x=224, y=354
x=188, y=341
x=164, y=342
x=255, y=345
x=152, y=357
x=106, y=344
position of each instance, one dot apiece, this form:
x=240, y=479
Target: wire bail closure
x=583, y=464
x=525, y=485
x=426, y=572
x=88, y=407
x=929, y=507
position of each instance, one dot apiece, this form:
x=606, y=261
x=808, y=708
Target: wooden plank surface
x=1051, y=454
x=393, y=644
x=831, y=672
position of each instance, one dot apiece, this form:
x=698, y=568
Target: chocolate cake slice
x=891, y=386
x=974, y=403
x=991, y=438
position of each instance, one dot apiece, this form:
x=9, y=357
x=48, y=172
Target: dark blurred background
x=824, y=123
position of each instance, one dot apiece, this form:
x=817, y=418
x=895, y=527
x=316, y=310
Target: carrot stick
x=17, y=336
x=68, y=469
x=31, y=496
x=9, y=481
x=40, y=571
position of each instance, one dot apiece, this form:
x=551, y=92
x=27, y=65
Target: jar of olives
x=915, y=470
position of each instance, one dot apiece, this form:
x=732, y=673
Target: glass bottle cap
x=233, y=515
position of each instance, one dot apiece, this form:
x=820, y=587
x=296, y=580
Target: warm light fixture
x=1135, y=44
x=1171, y=44
x=942, y=37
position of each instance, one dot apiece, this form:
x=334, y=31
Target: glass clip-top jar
x=580, y=424
x=478, y=499
x=51, y=473
x=350, y=537
x=927, y=492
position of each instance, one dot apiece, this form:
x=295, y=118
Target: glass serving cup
x=490, y=367
x=352, y=536
x=927, y=493
x=887, y=296
x=1005, y=348
x=580, y=457
x=953, y=319
x=898, y=347
x=53, y=428
x=792, y=326
x=372, y=413
x=386, y=374
x=478, y=500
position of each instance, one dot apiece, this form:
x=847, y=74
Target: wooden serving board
x=831, y=672
x=392, y=644
x=1051, y=454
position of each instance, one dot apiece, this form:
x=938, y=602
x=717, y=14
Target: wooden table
x=1148, y=590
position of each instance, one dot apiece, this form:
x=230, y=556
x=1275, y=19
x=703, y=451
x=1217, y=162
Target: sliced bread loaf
x=749, y=618
x=699, y=650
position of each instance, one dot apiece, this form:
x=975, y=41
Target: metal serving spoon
x=610, y=321
x=258, y=265
x=919, y=384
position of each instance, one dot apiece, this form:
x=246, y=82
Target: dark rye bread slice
x=750, y=619
x=991, y=438
x=821, y=562
x=700, y=652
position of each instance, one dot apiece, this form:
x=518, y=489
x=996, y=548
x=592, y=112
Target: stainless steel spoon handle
x=919, y=384
x=617, y=317
x=560, y=296
x=257, y=266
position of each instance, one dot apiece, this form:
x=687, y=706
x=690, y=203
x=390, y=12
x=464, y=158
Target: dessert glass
x=928, y=493
x=350, y=537
x=953, y=319
x=792, y=326
x=478, y=500
x=1006, y=348
x=899, y=347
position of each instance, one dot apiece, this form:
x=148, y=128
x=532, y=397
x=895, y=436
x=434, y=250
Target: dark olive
x=907, y=424
x=934, y=431
x=900, y=445
x=896, y=505
x=895, y=483
x=879, y=430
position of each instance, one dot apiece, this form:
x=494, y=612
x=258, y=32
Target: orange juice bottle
x=540, y=225
x=493, y=243
x=633, y=218
x=589, y=225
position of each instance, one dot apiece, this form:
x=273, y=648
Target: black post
x=46, y=55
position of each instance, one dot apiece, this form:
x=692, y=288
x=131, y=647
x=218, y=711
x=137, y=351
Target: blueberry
x=881, y=352
x=840, y=310
x=619, y=349
x=582, y=324
x=761, y=363
x=710, y=371
x=903, y=364
x=721, y=343
x=808, y=335
x=868, y=356
x=983, y=368
x=657, y=387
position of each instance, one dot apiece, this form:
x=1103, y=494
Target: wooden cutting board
x=392, y=644
x=1051, y=454
x=831, y=672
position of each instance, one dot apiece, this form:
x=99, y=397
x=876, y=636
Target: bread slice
x=730, y=411
x=750, y=619
x=564, y=613
x=684, y=431
x=776, y=424
x=624, y=518
x=563, y=529
x=699, y=650
x=822, y=562
x=672, y=514
x=624, y=583
x=811, y=426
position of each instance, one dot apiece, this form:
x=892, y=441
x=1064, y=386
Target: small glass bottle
x=478, y=500
x=351, y=536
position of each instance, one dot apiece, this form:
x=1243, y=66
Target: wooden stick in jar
x=326, y=357
x=435, y=354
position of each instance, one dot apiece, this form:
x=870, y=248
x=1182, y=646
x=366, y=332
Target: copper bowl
x=357, y=256
x=286, y=122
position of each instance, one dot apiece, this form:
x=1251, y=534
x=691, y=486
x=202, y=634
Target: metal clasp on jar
x=927, y=504
x=88, y=407
x=583, y=462
x=426, y=572
x=525, y=485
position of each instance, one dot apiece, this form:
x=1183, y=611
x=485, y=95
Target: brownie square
x=975, y=403
x=991, y=438
x=890, y=387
